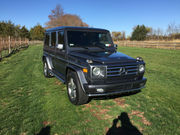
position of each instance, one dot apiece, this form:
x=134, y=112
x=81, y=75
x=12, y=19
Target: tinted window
x=60, y=37
x=53, y=38
x=47, y=39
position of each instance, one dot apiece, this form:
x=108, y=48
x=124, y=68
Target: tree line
x=7, y=28
x=142, y=32
x=56, y=18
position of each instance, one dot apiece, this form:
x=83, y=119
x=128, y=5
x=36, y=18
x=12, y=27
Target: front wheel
x=75, y=92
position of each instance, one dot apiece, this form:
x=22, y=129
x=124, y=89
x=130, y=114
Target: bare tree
x=123, y=35
x=116, y=35
x=59, y=18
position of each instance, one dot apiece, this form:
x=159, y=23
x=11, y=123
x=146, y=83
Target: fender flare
x=48, y=60
x=80, y=74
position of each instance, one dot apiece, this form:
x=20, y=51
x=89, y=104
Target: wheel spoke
x=72, y=88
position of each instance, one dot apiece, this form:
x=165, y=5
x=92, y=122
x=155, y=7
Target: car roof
x=75, y=28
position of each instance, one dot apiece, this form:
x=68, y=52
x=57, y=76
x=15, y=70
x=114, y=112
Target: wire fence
x=10, y=44
x=175, y=45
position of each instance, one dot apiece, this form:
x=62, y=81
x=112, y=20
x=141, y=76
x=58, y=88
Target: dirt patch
x=76, y=132
x=141, y=115
x=88, y=105
x=58, y=82
x=47, y=123
x=103, y=111
x=120, y=102
x=4, y=104
x=96, y=115
x=108, y=107
x=23, y=133
x=100, y=113
x=87, y=121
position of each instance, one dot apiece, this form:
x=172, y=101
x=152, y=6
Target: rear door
x=60, y=55
x=49, y=47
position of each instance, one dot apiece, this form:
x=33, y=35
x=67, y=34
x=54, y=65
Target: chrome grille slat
x=130, y=66
x=114, y=71
x=114, y=68
x=113, y=75
x=132, y=69
x=132, y=73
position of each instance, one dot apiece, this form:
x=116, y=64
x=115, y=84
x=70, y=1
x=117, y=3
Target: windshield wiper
x=102, y=47
x=85, y=47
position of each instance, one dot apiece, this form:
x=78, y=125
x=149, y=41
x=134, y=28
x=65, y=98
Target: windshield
x=89, y=39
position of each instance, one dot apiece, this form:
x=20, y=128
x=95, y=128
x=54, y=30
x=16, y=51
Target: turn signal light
x=85, y=70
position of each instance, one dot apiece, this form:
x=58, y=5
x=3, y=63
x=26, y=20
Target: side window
x=103, y=38
x=53, y=38
x=61, y=37
x=46, y=39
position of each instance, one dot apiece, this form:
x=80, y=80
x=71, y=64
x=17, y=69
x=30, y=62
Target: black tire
x=81, y=97
x=46, y=70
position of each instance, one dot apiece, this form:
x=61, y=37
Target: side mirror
x=115, y=46
x=59, y=46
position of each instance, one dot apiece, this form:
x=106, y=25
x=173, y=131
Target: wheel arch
x=48, y=60
x=79, y=73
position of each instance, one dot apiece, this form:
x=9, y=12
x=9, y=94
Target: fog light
x=100, y=90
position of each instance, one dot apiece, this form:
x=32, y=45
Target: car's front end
x=115, y=78
x=104, y=70
x=110, y=73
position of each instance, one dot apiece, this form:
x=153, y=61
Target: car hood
x=104, y=57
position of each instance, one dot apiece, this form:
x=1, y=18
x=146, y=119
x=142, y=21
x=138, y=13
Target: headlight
x=141, y=68
x=98, y=72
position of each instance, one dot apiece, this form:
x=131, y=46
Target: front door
x=60, y=56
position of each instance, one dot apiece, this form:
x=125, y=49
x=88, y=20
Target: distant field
x=31, y=103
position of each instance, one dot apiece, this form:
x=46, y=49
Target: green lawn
x=31, y=103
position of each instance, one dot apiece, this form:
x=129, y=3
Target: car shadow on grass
x=126, y=127
x=44, y=131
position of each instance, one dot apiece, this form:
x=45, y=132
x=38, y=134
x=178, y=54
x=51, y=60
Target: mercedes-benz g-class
x=87, y=61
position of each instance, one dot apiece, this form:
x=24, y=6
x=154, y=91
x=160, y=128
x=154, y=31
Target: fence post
x=9, y=44
x=19, y=43
x=157, y=44
x=175, y=46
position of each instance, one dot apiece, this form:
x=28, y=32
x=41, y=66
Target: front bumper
x=114, y=89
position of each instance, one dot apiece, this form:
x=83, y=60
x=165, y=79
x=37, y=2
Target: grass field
x=32, y=104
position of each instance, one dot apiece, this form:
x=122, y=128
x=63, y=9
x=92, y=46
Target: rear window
x=53, y=38
x=60, y=37
x=46, y=39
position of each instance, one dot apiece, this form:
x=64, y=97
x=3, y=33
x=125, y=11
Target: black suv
x=86, y=60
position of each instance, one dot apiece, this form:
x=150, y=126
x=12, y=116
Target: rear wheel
x=75, y=92
x=46, y=70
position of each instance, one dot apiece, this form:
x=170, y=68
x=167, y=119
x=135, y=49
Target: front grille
x=122, y=70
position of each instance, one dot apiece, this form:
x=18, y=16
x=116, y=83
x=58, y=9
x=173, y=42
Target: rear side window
x=61, y=37
x=46, y=39
x=53, y=38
